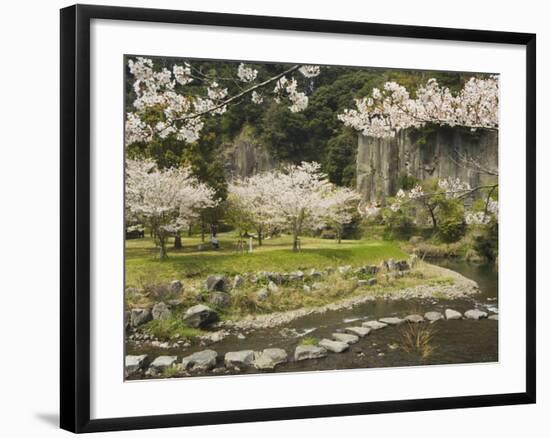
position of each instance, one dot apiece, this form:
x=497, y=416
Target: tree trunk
x=177, y=241
x=434, y=220
x=259, y=230
x=295, y=242
x=162, y=249
x=338, y=236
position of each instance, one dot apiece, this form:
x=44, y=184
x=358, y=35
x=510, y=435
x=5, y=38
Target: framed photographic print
x=271, y=218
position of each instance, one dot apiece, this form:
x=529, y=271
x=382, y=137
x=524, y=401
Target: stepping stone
x=269, y=358
x=202, y=360
x=162, y=362
x=493, y=317
x=392, y=320
x=415, y=319
x=239, y=358
x=358, y=331
x=344, y=337
x=304, y=352
x=374, y=325
x=433, y=316
x=475, y=314
x=133, y=364
x=452, y=314
x=333, y=346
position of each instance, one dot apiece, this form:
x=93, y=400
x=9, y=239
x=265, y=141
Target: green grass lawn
x=143, y=265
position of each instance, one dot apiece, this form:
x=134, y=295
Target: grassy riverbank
x=143, y=266
x=147, y=277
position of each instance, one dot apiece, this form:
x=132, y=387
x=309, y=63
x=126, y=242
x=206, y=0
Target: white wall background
x=30, y=204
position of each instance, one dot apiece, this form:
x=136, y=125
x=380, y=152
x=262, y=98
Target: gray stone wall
x=246, y=157
x=381, y=162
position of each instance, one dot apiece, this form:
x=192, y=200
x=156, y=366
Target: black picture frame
x=75, y=217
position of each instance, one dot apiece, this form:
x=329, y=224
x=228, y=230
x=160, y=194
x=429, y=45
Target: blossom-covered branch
x=168, y=103
x=391, y=109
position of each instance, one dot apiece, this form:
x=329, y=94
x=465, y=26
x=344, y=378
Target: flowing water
x=455, y=341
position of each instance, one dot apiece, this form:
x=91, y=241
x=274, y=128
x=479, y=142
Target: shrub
x=486, y=243
x=451, y=226
x=309, y=340
x=398, y=224
x=170, y=329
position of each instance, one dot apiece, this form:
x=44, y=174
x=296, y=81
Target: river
x=453, y=342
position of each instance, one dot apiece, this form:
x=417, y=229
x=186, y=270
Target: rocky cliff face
x=246, y=157
x=382, y=162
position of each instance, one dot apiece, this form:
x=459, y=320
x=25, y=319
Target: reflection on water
x=458, y=341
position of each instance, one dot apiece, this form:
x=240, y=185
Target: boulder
x=162, y=362
x=217, y=282
x=475, y=314
x=370, y=269
x=314, y=273
x=127, y=319
x=201, y=361
x=358, y=331
x=239, y=358
x=374, y=325
x=493, y=317
x=371, y=281
x=274, y=277
x=391, y=265
x=295, y=276
x=433, y=316
x=161, y=311
x=200, y=316
x=134, y=364
x=392, y=320
x=344, y=269
x=345, y=337
x=175, y=287
x=333, y=346
x=402, y=265
x=415, y=319
x=140, y=316
x=307, y=289
x=269, y=358
x=221, y=300
x=272, y=287
x=452, y=314
x=238, y=281
x=262, y=294
x=304, y=352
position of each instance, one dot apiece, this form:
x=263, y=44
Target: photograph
x=302, y=218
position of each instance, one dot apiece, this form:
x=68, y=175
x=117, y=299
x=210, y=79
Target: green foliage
x=399, y=224
x=451, y=226
x=309, y=340
x=340, y=163
x=407, y=182
x=486, y=242
x=171, y=329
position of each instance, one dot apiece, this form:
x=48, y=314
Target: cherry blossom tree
x=392, y=109
x=337, y=208
x=252, y=195
x=169, y=102
x=164, y=200
x=297, y=196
